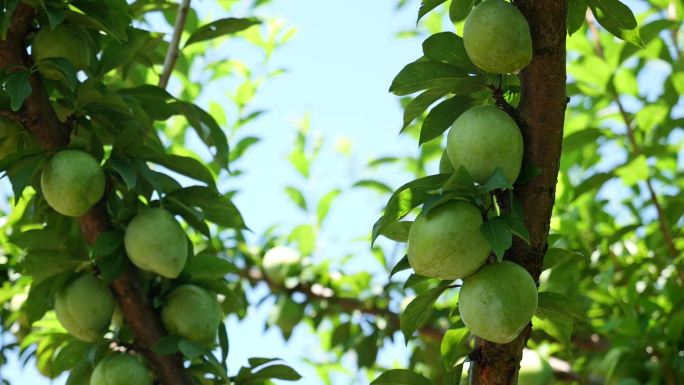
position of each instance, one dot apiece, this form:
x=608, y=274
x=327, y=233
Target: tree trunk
x=541, y=112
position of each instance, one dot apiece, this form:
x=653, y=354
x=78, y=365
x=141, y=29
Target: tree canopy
x=124, y=252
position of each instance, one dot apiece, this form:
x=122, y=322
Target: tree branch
x=542, y=112
x=636, y=150
x=172, y=53
x=39, y=118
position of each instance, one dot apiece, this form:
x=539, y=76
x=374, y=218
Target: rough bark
x=541, y=112
x=39, y=118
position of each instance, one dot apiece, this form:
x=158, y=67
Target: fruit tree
x=533, y=237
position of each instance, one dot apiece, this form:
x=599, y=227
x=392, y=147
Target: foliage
x=611, y=291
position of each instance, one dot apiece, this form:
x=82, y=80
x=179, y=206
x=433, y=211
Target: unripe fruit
x=72, y=182
x=497, y=37
x=63, y=41
x=534, y=370
x=447, y=243
x=485, y=138
x=281, y=262
x=120, y=369
x=192, y=313
x=155, y=242
x=84, y=307
x=498, y=301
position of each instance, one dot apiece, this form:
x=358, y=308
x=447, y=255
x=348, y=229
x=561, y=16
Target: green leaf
x=454, y=346
x=497, y=181
x=191, y=349
x=255, y=362
x=618, y=19
x=634, y=171
x=448, y=47
x=223, y=342
x=6, y=16
x=406, y=198
x=593, y=182
x=107, y=243
x=18, y=88
x=42, y=264
x=442, y=116
x=373, y=184
x=558, y=325
x=422, y=75
x=367, y=351
x=556, y=255
x=110, y=16
x=459, y=9
x=414, y=280
x=113, y=265
x=208, y=130
x=417, y=312
x=38, y=300
x=61, y=66
x=419, y=104
x=402, y=265
x=648, y=33
x=242, y=146
x=80, y=374
x=167, y=345
x=401, y=377
x=43, y=239
x=297, y=197
x=550, y=301
x=206, y=266
x=577, y=10
x=185, y=165
x=215, y=207
x=278, y=371
x=220, y=27
x=325, y=203
x=516, y=225
x=427, y=6
x=70, y=355
x=398, y=231
x=22, y=172
x=578, y=139
x=305, y=238
x=498, y=235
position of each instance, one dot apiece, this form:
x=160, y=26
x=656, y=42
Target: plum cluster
x=72, y=182
x=497, y=300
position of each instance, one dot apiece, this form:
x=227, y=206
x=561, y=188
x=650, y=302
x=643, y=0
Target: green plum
x=281, y=262
x=193, y=313
x=85, y=307
x=497, y=37
x=156, y=242
x=447, y=243
x=498, y=301
x=72, y=182
x=120, y=369
x=483, y=139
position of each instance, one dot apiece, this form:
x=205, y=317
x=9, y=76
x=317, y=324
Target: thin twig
x=636, y=150
x=172, y=53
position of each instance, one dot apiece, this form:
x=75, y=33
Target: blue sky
x=339, y=68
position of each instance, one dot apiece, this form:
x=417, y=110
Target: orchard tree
x=115, y=244
x=119, y=233
x=505, y=77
